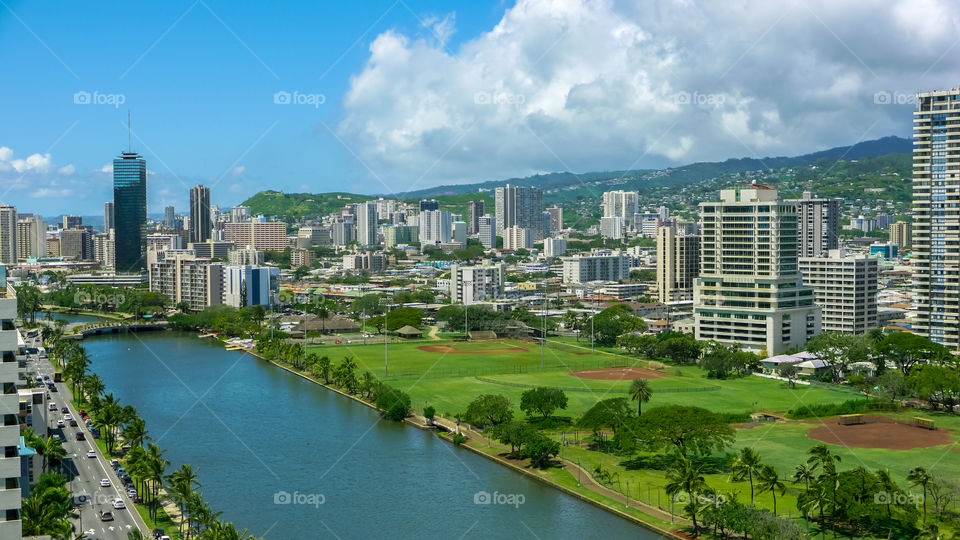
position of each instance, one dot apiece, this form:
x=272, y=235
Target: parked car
x=105, y=515
x=82, y=412
x=115, y=463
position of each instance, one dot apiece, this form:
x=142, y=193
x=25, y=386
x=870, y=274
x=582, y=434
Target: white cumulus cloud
x=597, y=84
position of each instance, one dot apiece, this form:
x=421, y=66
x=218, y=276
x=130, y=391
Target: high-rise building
x=750, y=290
x=596, y=267
x=130, y=212
x=107, y=216
x=400, y=234
x=900, y=234
x=31, y=236
x=367, y=224
x=611, y=227
x=678, y=264
x=184, y=277
x=371, y=262
x=518, y=238
x=239, y=214
x=622, y=204
x=487, y=232
x=77, y=244
x=104, y=249
x=471, y=284
x=435, y=227
x=341, y=232
x=250, y=285
x=517, y=206
x=8, y=234
x=459, y=232
x=845, y=288
x=936, y=229
x=265, y=235
x=556, y=219
x=169, y=217
x=71, y=221
x=249, y=256
x=164, y=242
x=429, y=204
x=200, y=221
x=475, y=211
x=554, y=247
x=10, y=491
x=818, y=224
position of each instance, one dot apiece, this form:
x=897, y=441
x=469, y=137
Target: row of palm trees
x=49, y=508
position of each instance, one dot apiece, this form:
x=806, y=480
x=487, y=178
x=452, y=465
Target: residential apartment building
x=318, y=235
x=517, y=206
x=104, y=250
x=622, y=204
x=211, y=249
x=554, y=247
x=471, y=284
x=370, y=262
x=239, y=214
x=248, y=285
x=475, y=211
x=201, y=222
x=818, y=224
x=488, y=231
x=183, y=277
x=517, y=238
x=169, y=217
x=248, y=257
x=77, y=244
x=936, y=223
x=556, y=219
x=263, y=235
x=8, y=234
x=611, y=227
x=845, y=288
x=435, y=227
x=596, y=267
x=750, y=290
x=31, y=236
x=367, y=224
x=10, y=489
x=900, y=234
x=678, y=264
x=162, y=242
x=394, y=235
x=298, y=257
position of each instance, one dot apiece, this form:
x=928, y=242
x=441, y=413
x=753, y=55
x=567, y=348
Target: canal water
x=70, y=317
x=287, y=459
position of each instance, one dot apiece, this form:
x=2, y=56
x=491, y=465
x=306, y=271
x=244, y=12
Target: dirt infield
x=618, y=374
x=880, y=432
x=453, y=350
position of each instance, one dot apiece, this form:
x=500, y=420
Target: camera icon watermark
x=897, y=498
x=896, y=97
x=82, y=97
x=499, y=98
x=282, y=97
x=308, y=499
x=114, y=301
x=505, y=499
x=699, y=99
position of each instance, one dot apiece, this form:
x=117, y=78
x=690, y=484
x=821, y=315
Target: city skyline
x=317, y=98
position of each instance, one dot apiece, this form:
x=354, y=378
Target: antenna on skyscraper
x=129, y=146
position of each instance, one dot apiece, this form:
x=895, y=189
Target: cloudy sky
x=403, y=94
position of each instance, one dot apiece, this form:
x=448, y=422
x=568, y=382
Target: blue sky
x=419, y=93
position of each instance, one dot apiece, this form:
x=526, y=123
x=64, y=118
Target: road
x=85, y=473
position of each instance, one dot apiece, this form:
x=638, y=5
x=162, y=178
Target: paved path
x=432, y=334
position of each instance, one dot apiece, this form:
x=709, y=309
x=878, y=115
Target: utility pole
x=386, y=338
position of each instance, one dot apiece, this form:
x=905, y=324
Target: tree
x=686, y=477
x=745, y=466
x=543, y=401
x=937, y=384
x=688, y=429
x=612, y=413
x=489, y=410
x=804, y=473
x=394, y=403
x=636, y=344
x=614, y=322
x=770, y=481
x=906, y=350
x=641, y=392
x=838, y=350
x=514, y=433
x=539, y=449
x=920, y=477
x=183, y=306
x=789, y=372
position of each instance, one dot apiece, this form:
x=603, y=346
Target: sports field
x=450, y=374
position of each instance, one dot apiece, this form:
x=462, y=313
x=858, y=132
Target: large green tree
x=543, y=401
x=691, y=430
x=489, y=410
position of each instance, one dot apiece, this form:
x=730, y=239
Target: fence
x=513, y=369
x=658, y=389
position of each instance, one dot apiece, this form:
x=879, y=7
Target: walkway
x=432, y=334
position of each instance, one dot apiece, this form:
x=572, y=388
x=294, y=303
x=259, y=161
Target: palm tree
x=135, y=433
x=920, y=477
x=770, y=481
x=54, y=452
x=804, y=473
x=156, y=466
x=641, y=392
x=183, y=484
x=686, y=477
x=887, y=485
x=324, y=367
x=135, y=534
x=820, y=455
x=745, y=466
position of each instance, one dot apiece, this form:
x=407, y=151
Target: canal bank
x=267, y=441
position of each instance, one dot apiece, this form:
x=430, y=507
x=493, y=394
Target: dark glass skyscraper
x=200, y=223
x=130, y=211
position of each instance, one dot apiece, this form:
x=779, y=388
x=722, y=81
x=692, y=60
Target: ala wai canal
x=256, y=432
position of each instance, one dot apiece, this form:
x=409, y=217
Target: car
x=60, y=423
x=118, y=504
x=52, y=388
x=39, y=378
x=105, y=515
x=67, y=416
x=91, y=453
x=64, y=410
x=82, y=412
x=73, y=423
x=46, y=377
x=115, y=463
x=53, y=406
x=106, y=481
x=131, y=493
x=338, y=342
x=81, y=436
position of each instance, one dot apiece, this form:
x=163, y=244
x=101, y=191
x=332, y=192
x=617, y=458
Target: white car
x=118, y=504
x=60, y=423
x=91, y=454
x=67, y=417
x=105, y=482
